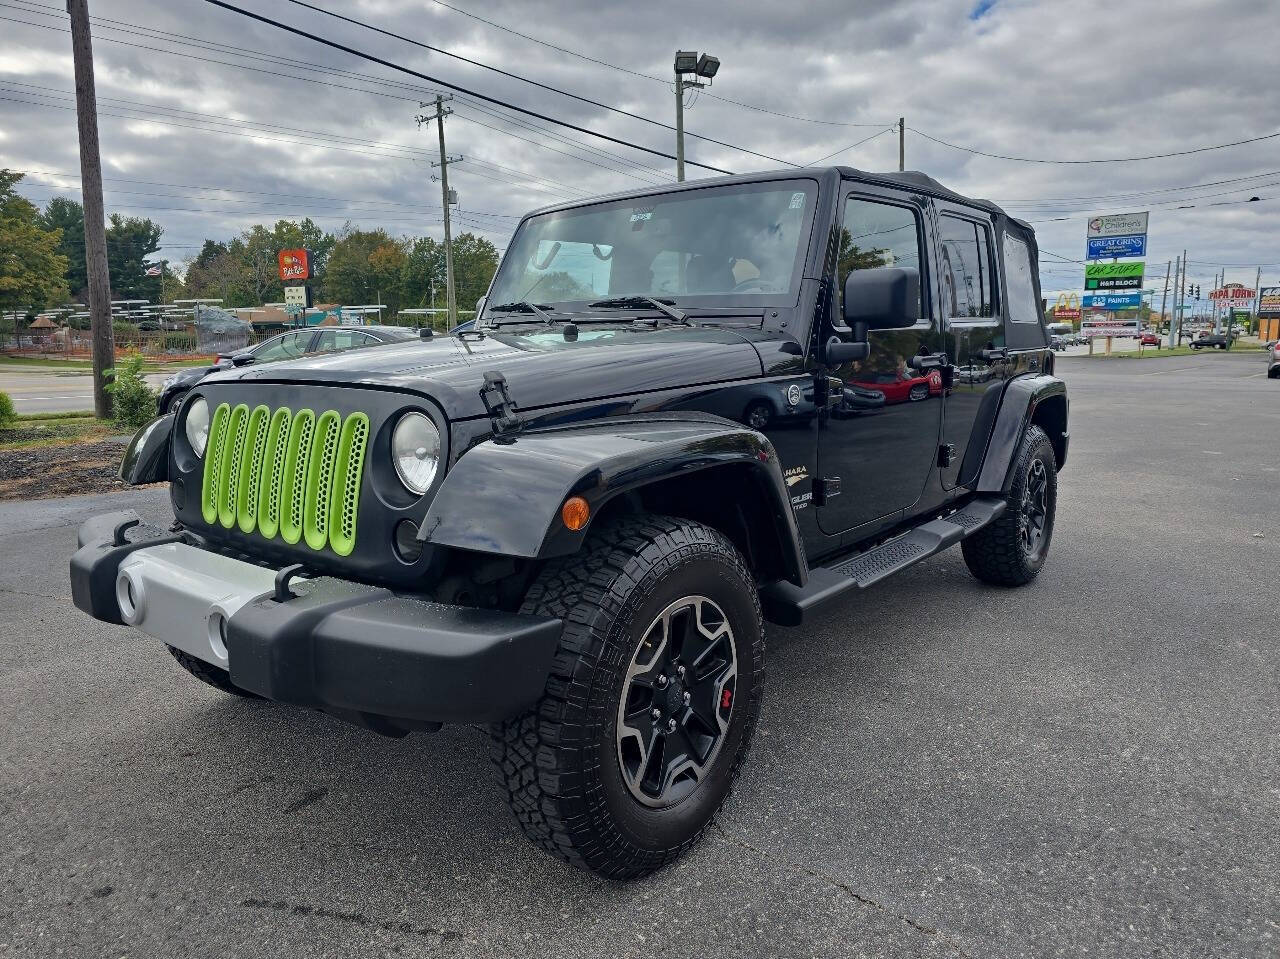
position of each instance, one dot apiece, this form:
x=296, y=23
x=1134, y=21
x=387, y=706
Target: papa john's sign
x=295, y=265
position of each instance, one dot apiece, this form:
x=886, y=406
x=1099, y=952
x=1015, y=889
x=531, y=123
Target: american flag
x=153, y=271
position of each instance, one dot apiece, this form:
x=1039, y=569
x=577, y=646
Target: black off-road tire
x=210, y=674
x=999, y=553
x=559, y=762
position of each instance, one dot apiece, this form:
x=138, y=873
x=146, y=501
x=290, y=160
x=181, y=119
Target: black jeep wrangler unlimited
x=682, y=412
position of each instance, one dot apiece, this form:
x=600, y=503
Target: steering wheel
x=759, y=282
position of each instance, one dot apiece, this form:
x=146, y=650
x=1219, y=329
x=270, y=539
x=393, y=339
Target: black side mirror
x=242, y=359
x=884, y=298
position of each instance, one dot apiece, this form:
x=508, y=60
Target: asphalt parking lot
x=1087, y=766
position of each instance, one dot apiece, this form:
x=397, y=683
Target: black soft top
x=1019, y=335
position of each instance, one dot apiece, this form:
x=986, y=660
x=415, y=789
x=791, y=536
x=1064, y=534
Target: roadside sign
x=1270, y=302
x=1113, y=276
x=1112, y=327
x=1112, y=301
x=1118, y=224
x=295, y=265
x=1067, y=307
x=297, y=296
x=1234, y=296
x=1100, y=247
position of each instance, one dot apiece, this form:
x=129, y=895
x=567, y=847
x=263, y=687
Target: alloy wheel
x=677, y=698
x=1034, y=509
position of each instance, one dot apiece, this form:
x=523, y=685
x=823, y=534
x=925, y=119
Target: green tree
x=68, y=216
x=130, y=241
x=350, y=275
x=475, y=260
x=32, y=271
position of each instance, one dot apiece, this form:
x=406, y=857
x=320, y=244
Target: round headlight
x=197, y=425
x=415, y=449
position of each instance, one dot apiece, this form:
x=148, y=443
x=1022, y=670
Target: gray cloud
x=1033, y=78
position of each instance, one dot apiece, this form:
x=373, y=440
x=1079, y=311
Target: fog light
x=217, y=628
x=405, y=539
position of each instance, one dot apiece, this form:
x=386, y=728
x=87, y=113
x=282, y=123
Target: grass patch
x=1148, y=353
x=49, y=363
x=55, y=429
x=36, y=417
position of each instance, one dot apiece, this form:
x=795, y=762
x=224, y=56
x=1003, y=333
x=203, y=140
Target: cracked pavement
x=1083, y=767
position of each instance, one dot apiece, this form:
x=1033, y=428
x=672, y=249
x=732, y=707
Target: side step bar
x=787, y=604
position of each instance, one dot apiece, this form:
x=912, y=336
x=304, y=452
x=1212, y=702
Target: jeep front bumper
x=360, y=652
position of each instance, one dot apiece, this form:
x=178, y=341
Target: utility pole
x=95, y=232
x=451, y=298
x=1164, y=300
x=1257, y=302
x=902, y=143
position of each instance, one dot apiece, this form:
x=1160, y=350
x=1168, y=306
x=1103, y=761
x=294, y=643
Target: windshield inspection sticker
x=797, y=201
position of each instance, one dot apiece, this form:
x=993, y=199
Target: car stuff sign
x=1113, y=276
x=1269, y=301
x=1112, y=301
x=1118, y=234
x=295, y=265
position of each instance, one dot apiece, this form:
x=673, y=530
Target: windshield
x=718, y=246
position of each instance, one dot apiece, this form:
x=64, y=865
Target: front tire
x=209, y=674
x=651, y=702
x=1012, y=550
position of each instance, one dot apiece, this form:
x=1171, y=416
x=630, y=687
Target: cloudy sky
x=211, y=122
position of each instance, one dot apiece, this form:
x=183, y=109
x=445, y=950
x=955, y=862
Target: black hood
x=542, y=370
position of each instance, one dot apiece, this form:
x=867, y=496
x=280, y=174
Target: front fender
x=146, y=458
x=505, y=498
x=1022, y=397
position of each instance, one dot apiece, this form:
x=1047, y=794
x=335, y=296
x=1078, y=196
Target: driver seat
x=706, y=275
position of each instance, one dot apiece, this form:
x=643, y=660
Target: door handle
x=928, y=361
x=999, y=353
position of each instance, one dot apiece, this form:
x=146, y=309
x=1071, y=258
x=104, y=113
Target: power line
x=1141, y=193
x=850, y=146
x=380, y=204
x=303, y=138
x=541, y=86
x=276, y=73
x=649, y=76
x=452, y=86
x=1153, y=156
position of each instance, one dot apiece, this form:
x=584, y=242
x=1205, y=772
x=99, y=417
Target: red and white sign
x=295, y=265
x=1237, y=296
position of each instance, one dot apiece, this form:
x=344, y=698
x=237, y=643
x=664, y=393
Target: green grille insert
x=292, y=475
x=293, y=491
x=346, y=501
x=212, y=463
x=324, y=450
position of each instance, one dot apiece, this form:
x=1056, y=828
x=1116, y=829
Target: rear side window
x=966, y=267
x=1019, y=283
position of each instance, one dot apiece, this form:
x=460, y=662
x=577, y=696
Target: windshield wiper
x=666, y=307
x=524, y=306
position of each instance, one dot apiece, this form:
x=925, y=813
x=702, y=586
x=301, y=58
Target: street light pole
x=705, y=67
x=679, y=128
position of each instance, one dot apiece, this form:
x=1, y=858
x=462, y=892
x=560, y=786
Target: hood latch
x=500, y=407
